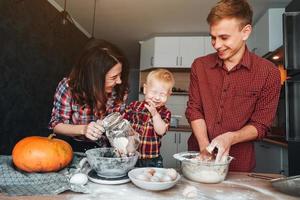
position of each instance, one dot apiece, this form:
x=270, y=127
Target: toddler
x=150, y=117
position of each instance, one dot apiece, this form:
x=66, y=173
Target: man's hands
x=207, y=156
x=222, y=143
x=94, y=130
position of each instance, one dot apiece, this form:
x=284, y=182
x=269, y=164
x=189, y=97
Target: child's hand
x=151, y=107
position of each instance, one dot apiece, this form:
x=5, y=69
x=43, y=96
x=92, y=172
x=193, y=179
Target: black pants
x=151, y=162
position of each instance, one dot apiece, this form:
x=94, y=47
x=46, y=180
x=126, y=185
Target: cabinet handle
x=180, y=60
x=176, y=60
x=151, y=61
x=175, y=138
x=265, y=146
x=179, y=138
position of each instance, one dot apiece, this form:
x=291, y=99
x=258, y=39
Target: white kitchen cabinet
x=189, y=49
x=208, y=48
x=267, y=33
x=271, y=158
x=173, y=142
x=251, y=41
x=166, y=52
x=171, y=52
x=168, y=149
x=146, y=58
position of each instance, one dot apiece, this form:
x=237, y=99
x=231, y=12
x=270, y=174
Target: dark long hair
x=87, y=78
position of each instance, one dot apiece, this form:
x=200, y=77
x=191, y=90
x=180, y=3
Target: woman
x=95, y=87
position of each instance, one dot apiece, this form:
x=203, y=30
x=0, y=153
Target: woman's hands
x=94, y=130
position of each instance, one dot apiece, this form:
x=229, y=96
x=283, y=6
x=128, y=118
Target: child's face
x=156, y=92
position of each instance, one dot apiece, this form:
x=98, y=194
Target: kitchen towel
x=14, y=182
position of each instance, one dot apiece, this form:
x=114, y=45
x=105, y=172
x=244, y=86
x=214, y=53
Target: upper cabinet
x=267, y=34
x=208, y=46
x=173, y=52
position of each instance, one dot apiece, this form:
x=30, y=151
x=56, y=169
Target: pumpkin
x=41, y=154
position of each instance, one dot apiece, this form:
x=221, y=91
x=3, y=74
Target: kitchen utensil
x=289, y=185
x=202, y=171
x=150, y=185
x=107, y=164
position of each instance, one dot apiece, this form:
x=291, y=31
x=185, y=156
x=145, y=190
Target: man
x=233, y=93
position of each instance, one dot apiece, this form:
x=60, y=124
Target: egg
x=154, y=179
x=143, y=177
x=158, y=174
x=172, y=173
x=79, y=179
x=165, y=178
x=150, y=171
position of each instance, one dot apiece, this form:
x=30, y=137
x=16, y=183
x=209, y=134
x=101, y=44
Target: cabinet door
x=285, y=162
x=166, y=51
x=268, y=32
x=168, y=149
x=183, y=141
x=182, y=144
x=251, y=41
x=262, y=35
x=208, y=48
x=147, y=54
x=189, y=49
x=268, y=158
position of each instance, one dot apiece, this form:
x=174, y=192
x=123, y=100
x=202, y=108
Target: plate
x=92, y=176
x=148, y=185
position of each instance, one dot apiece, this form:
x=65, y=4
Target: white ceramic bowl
x=148, y=185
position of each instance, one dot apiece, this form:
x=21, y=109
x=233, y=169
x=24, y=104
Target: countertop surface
x=181, y=128
x=237, y=186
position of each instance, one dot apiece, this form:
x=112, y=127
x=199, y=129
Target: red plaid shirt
x=66, y=110
x=228, y=100
x=141, y=120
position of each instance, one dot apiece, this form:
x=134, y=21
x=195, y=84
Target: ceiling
x=126, y=22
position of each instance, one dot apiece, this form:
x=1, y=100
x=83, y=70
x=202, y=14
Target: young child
x=150, y=117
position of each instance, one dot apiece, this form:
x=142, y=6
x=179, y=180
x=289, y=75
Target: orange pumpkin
x=42, y=154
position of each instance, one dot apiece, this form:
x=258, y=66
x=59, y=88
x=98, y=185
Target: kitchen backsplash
x=182, y=80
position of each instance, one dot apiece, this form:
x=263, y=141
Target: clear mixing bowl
x=107, y=164
x=202, y=171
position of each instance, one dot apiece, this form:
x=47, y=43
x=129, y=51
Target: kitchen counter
x=181, y=128
x=276, y=140
x=236, y=186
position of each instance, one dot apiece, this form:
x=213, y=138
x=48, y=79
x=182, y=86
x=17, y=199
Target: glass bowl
x=107, y=164
x=202, y=171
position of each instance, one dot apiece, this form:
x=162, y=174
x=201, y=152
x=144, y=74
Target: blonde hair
x=163, y=75
x=239, y=9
